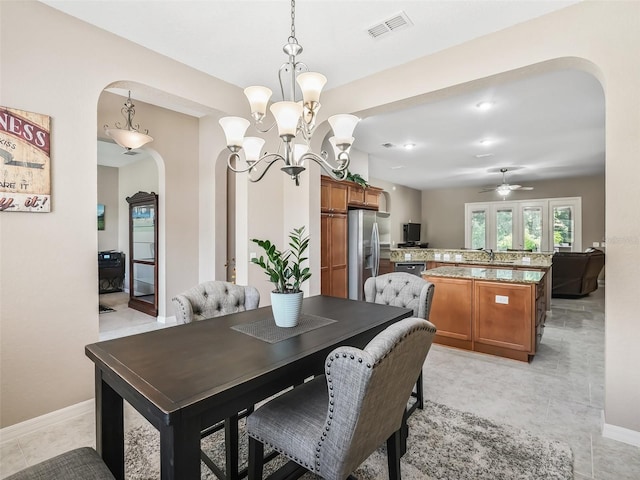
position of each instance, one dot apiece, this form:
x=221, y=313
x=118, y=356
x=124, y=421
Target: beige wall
x=108, y=196
x=43, y=367
x=65, y=78
x=443, y=209
x=403, y=204
x=597, y=36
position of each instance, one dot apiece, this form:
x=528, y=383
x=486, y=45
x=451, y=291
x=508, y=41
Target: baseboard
x=165, y=320
x=620, y=434
x=28, y=426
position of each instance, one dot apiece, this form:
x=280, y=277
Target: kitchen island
x=490, y=310
x=430, y=258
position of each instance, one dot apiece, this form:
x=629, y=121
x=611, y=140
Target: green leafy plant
x=356, y=178
x=284, y=267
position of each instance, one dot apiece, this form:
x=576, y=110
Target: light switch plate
x=458, y=258
x=526, y=260
x=596, y=244
x=437, y=256
x=407, y=257
x=253, y=255
x=503, y=299
x=446, y=256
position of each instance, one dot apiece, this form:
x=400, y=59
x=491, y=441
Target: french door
x=534, y=225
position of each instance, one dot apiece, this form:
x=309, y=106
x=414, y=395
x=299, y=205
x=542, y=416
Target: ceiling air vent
x=388, y=145
x=398, y=21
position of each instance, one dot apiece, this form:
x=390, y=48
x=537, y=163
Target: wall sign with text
x=25, y=161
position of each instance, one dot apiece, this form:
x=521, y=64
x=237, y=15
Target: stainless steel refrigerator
x=369, y=241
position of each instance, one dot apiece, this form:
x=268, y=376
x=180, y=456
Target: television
x=411, y=233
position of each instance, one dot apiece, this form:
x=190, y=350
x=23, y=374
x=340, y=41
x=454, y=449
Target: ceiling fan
x=504, y=188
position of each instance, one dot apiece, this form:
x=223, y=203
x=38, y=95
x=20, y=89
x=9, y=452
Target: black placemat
x=267, y=330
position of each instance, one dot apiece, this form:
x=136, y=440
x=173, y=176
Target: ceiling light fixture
x=129, y=136
x=484, y=106
x=294, y=119
x=409, y=146
x=483, y=155
x=486, y=142
x=503, y=190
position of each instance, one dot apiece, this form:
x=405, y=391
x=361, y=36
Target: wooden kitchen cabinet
x=504, y=318
x=452, y=311
x=333, y=255
x=358, y=197
x=333, y=196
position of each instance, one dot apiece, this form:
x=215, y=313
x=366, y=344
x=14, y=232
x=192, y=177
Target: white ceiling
x=550, y=126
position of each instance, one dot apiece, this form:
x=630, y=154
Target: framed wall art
x=100, y=216
x=25, y=163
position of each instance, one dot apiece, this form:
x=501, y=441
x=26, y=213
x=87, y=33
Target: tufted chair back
x=213, y=299
x=401, y=289
x=332, y=423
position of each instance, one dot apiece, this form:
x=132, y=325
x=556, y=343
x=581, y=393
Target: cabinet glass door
x=143, y=250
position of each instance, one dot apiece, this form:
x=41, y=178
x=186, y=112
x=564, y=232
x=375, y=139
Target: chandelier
x=295, y=119
x=129, y=136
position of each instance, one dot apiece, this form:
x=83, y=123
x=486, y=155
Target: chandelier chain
x=293, y=19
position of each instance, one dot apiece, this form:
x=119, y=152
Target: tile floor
x=560, y=394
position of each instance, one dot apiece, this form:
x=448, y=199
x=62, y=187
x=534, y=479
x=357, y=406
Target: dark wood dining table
x=186, y=378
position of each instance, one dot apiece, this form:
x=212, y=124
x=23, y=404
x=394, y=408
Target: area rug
x=105, y=309
x=443, y=444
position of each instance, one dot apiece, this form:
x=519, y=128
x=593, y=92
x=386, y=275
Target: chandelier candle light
x=129, y=136
x=294, y=119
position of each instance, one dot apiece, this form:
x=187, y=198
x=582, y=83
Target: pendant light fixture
x=295, y=120
x=129, y=136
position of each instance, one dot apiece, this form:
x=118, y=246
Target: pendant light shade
x=234, y=129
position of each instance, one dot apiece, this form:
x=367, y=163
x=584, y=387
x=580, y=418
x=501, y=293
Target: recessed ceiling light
x=483, y=155
x=486, y=105
x=486, y=142
x=409, y=146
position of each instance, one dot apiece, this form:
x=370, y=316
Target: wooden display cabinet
x=143, y=252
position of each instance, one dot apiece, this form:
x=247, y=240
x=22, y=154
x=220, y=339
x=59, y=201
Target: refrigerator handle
x=375, y=245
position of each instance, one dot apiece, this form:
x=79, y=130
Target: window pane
x=563, y=228
x=478, y=229
x=532, y=225
x=504, y=229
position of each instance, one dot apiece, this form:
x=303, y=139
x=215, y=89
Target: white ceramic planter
x=286, y=308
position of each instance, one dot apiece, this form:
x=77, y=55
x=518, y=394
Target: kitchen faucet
x=492, y=255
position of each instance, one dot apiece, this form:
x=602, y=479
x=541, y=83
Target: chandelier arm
x=264, y=158
x=337, y=173
x=269, y=163
x=267, y=130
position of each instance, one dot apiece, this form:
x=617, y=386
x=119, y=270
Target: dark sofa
x=575, y=274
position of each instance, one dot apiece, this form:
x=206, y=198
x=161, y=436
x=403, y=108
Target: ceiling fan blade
x=526, y=188
x=514, y=187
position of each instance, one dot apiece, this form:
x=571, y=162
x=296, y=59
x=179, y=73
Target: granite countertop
x=472, y=257
x=490, y=274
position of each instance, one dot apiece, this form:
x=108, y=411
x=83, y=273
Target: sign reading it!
x=25, y=163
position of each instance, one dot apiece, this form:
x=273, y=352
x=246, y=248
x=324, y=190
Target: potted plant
x=357, y=178
x=285, y=271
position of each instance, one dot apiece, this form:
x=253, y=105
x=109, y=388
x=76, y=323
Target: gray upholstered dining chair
x=332, y=423
x=214, y=299
x=79, y=464
x=402, y=289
